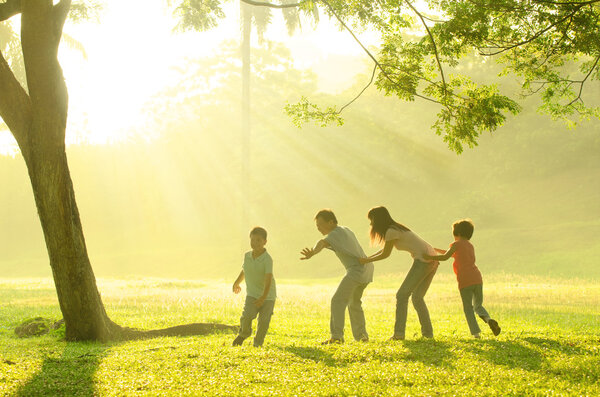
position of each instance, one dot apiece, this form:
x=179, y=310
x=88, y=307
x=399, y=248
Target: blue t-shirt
x=254, y=273
x=345, y=245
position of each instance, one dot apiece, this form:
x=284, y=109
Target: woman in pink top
x=470, y=283
x=386, y=231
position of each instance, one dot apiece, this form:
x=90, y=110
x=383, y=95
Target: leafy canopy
x=553, y=47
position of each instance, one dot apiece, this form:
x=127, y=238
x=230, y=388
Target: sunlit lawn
x=550, y=343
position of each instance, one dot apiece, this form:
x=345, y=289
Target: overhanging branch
x=60, y=11
x=435, y=50
x=383, y=71
x=345, y=26
x=15, y=105
x=535, y=36
x=361, y=92
x=583, y=82
x=9, y=9
x=567, y=3
x=271, y=5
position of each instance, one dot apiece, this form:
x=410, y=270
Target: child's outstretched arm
x=443, y=257
x=236, y=285
x=310, y=252
x=379, y=255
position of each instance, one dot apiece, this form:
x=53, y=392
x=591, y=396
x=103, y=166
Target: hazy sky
x=172, y=206
x=132, y=53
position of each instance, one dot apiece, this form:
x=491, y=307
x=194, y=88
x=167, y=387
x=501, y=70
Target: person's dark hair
x=463, y=228
x=259, y=231
x=327, y=215
x=381, y=221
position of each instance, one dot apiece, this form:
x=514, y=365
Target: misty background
x=167, y=200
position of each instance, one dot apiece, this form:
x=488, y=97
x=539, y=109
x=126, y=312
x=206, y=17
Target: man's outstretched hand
x=307, y=252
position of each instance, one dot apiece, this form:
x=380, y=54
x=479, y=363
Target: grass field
x=550, y=343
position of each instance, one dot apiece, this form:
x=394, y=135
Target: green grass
x=550, y=344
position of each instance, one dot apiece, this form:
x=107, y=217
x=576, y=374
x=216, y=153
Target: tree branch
x=45, y=79
x=339, y=19
x=416, y=76
x=271, y=5
x=361, y=92
x=535, y=36
x=533, y=92
x=583, y=81
x=61, y=10
x=15, y=104
x=383, y=71
x=567, y=3
x=522, y=6
x=9, y=9
x=434, y=20
x=435, y=50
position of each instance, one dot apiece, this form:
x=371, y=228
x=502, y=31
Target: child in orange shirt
x=470, y=283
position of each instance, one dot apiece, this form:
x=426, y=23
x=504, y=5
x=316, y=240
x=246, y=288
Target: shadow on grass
x=511, y=354
x=561, y=346
x=557, y=358
x=428, y=352
x=71, y=374
x=315, y=354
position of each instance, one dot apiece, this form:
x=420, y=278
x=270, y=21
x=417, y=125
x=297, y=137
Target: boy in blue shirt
x=257, y=270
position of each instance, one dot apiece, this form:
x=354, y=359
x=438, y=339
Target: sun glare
x=132, y=55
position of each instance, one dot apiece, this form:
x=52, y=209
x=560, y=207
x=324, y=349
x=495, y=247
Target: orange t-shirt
x=467, y=273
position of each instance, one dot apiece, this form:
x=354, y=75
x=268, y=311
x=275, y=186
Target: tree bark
x=46, y=160
x=15, y=106
x=80, y=302
x=9, y=8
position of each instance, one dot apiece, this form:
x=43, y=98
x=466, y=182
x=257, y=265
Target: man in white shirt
x=349, y=293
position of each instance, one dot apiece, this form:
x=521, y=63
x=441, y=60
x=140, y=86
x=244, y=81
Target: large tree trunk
x=43, y=149
x=80, y=302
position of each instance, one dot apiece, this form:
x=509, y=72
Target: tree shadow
x=70, y=374
x=194, y=329
x=73, y=373
x=510, y=354
x=561, y=346
x=429, y=352
x=315, y=354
